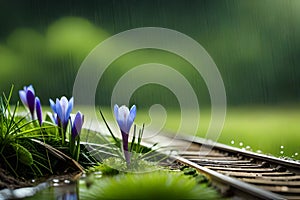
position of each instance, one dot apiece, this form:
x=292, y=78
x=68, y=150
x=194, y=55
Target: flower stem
x=125, y=147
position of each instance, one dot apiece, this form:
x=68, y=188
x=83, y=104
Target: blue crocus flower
x=125, y=120
x=38, y=109
x=77, y=124
x=125, y=117
x=63, y=109
x=27, y=97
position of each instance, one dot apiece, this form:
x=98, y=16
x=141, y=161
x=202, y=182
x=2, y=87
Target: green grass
x=262, y=128
x=269, y=129
x=155, y=185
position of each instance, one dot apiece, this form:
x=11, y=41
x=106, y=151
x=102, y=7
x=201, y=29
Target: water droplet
x=241, y=144
x=248, y=147
x=281, y=152
x=232, y=142
x=296, y=154
x=281, y=147
x=258, y=151
x=55, y=184
x=98, y=176
x=67, y=181
x=55, y=180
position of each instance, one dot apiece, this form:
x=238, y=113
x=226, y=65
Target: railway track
x=236, y=173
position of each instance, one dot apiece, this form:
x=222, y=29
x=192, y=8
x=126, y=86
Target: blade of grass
x=133, y=138
x=107, y=126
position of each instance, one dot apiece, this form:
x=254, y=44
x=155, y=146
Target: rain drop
x=55, y=180
x=281, y=152
x=296, y=154
x=241, y=144
x=232, y=142
x=55, y=184
x=281, y=147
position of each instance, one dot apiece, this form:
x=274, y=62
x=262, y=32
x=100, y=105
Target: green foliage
x=158, y=185
x=18, y=152
x=141, y=158
x=103, y=168
x=23, y=155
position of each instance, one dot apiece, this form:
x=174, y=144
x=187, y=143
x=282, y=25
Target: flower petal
x=116, y=111
x=123, y=117
x=131, y=117
x=30, y=88
x=123, y=113
x=38, y=110
x=69, y=109
x=77, y=124
x=132, y=113
x=59, y=111
x=30, y=101
x=64, y=105
x=52, y=105
x=23, y=97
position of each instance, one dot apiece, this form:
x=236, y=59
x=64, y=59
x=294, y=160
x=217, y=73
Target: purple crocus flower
x=125, y=120
x=63, y=109
x=38, y=109
x=77, y=124
x=27, y=97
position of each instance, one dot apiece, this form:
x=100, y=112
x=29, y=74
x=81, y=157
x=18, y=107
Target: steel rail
x=257, y=169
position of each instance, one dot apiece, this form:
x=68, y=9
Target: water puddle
x=58, y=189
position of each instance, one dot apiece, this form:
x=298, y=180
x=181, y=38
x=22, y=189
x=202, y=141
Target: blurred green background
x=255, y=44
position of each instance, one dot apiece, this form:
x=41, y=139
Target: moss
x=154, y=185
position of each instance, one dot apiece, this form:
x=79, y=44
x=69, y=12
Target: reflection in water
x=21, y=193
x=58, y=190
x=66, y=192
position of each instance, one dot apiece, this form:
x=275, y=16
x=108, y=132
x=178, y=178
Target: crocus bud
x=77, y=124
x=27, y=97
x=38, y=109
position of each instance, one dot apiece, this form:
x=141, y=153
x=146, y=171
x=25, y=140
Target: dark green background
x=255, y=44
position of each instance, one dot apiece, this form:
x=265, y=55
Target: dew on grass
x=258, y=151
x=281, y=152
x=56, y=184
x=232, y=142
x=281, y=147
x=55, y=180
x=98, y=174
x=296, y=154
x=241, y=144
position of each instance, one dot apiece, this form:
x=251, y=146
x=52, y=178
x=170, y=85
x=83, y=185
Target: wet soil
x=11, y=182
